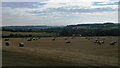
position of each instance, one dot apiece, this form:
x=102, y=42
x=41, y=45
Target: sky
x=59, y=12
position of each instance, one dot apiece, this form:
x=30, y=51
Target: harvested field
x=46, y=52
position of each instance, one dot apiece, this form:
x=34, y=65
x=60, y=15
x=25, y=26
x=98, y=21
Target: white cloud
x=77, y=4
x=58, y=12
x=110, y=6
x=21, y=18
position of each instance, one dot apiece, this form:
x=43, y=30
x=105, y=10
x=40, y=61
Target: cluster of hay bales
x=98, y=41
x=7, y=43
x=35, y=39
x=101, y=41
x=20, y=44
x=113, y=43
x=30, y=39
x=67, y=41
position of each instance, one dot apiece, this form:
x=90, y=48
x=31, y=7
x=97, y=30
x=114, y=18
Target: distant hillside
x=94, y=26
x=105, y=29
x=28, y=28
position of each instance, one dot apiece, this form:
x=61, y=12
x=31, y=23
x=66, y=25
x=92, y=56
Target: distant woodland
x=105, y=29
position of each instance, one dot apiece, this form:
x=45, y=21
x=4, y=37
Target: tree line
x=93, y=30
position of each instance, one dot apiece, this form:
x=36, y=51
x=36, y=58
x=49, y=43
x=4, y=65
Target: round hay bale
x=7, y=43
x=113, y=43
x=68, y=42
x=21, y=44
x=29, y=39
x=53, y=39
x=7, y=39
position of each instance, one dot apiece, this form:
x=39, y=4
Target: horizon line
x=58, y=25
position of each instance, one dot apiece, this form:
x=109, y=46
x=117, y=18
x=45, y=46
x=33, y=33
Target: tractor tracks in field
x=66, y=57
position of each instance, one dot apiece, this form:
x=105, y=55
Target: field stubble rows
x=46, y=52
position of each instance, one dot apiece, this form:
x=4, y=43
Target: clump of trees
x=90, y=32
